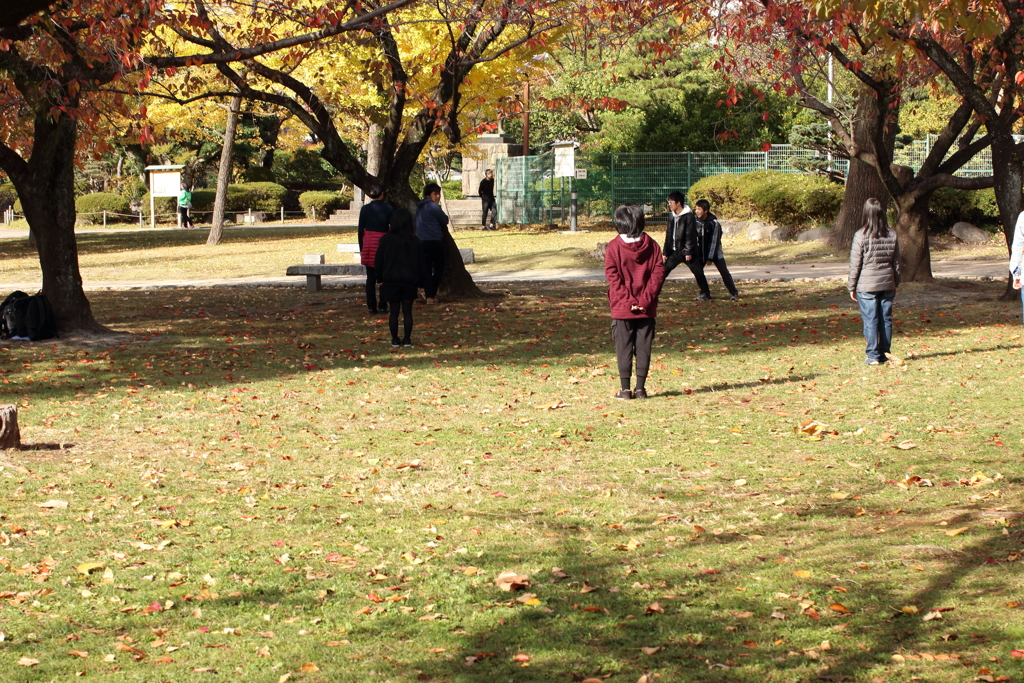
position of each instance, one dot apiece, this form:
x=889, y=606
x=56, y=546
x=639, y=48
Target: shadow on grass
x=217, y=337
x=705, y=632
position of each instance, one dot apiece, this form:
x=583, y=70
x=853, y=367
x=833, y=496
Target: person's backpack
x=12, y=315
x=27, y=316
x=39, y=321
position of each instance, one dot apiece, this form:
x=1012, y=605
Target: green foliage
x=8, y=195
x=302, y=168
x=256, y=196
x=778, y=198
x=257, y=174
x=90, y=207
x=949, y=206
x=452, y=189
x=165, y=207
x=324, y=203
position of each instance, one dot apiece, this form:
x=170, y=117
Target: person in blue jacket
x=431, y=227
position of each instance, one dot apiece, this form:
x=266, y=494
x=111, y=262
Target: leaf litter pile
x=255, y=484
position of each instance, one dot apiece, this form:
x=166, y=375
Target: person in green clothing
x=184, y=207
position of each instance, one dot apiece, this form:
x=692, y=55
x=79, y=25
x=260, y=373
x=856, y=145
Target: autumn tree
x=786, y=36
x=409, y=73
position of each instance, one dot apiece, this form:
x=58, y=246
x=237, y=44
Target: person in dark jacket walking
x=401, y=266
x=431, y=227
x=874, y=277
x=681, y=241
x=709, y=245
x=374, y=219
x=490, y=206
x=635, y=273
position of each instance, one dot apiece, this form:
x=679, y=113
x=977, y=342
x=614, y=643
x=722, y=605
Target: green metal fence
x=529, y=192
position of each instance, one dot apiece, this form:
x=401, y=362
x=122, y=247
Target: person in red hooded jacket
x=635, y=273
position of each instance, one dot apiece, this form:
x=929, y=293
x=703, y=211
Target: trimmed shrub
x=949, y=206
x=166, y=208
x=90, y=207
x=256, y=196
x=780, y=198
x=325, y=203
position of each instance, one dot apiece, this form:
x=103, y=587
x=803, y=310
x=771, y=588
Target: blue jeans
x=876, y=312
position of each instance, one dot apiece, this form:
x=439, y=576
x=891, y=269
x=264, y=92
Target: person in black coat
x=709, y=241
x=489, y=205
x=374, y=221
x=681, y=244
x=401, y=265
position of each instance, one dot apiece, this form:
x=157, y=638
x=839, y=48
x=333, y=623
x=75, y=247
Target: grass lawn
x=256, y=487
x=254, y=252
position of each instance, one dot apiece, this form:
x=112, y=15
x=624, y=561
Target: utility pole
x=526, y=119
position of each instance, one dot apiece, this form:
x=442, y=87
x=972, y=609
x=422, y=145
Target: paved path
x=824, y=271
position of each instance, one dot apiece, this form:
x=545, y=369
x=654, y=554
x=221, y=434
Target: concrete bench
x=313, y=273
x=467, y=254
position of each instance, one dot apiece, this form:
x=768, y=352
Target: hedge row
x=319, y=205
x=779, y=198
x=978, y=207
x=267, y=197
x=90, y=207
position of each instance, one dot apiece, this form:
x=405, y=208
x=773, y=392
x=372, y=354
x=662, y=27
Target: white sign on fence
x=164, y=181
x=581, y=174
x=565, y=159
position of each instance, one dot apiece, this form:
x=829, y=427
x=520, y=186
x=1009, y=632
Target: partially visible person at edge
x=431, y=226
x=490, y=207
x=635, y=273
x=709, y=241
x=185, y=207
x=401, y=266
x=681, y=240
x=874, y=277
x=374, y=219
x=1017, y=254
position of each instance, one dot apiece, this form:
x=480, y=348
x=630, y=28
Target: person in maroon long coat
x=635, y=273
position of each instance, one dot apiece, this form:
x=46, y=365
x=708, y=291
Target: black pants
x=406, y=313
x=186, y=220
x=434, y=250
x=371, y=291
x=489, y=207
x=696, y=268
x=633, y=338
x=726, y=276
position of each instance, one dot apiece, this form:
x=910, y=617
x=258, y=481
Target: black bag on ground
x=27, y=316
x=12, y=315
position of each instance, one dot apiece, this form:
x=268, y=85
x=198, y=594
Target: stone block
x=467, y=255
x=965, y=232
x=314, y=259
x=760, y=232
x=250, y=218
x=814, y=235
x=733, y=228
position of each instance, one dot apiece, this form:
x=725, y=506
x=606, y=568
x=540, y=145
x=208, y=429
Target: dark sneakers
x=396, y=342
x=407, y=342
x=703, y=297
x=640, y=393
x=624, y=394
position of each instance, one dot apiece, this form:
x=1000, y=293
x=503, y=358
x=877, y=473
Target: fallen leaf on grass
x=1017, y=653
x=79, y=653
x=89, y=567
x=839, y=607
x=521, y=658
x=957, y=532
x=743, y=615
x=510, y=581
x=587, y=588
x=654, y=608
x=913, y=480
x=412, y=465
x=309, y=668
x=931, y=616
x=802, y=574
x=910, y=609
x=740, y=482
x=53, y=504
x=811, y=428
x=27, y=661
x=650, y=650
x=906, y=445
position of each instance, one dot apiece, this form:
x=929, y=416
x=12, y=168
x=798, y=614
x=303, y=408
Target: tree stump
x=10, y=436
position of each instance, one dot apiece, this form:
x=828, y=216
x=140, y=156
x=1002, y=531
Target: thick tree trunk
x=224, y=173
x=1008, y=172
x=456, y=281
x=912, y=233
x=47, y=192
x=862, y=181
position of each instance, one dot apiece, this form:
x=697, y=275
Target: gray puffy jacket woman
x=874, y=277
